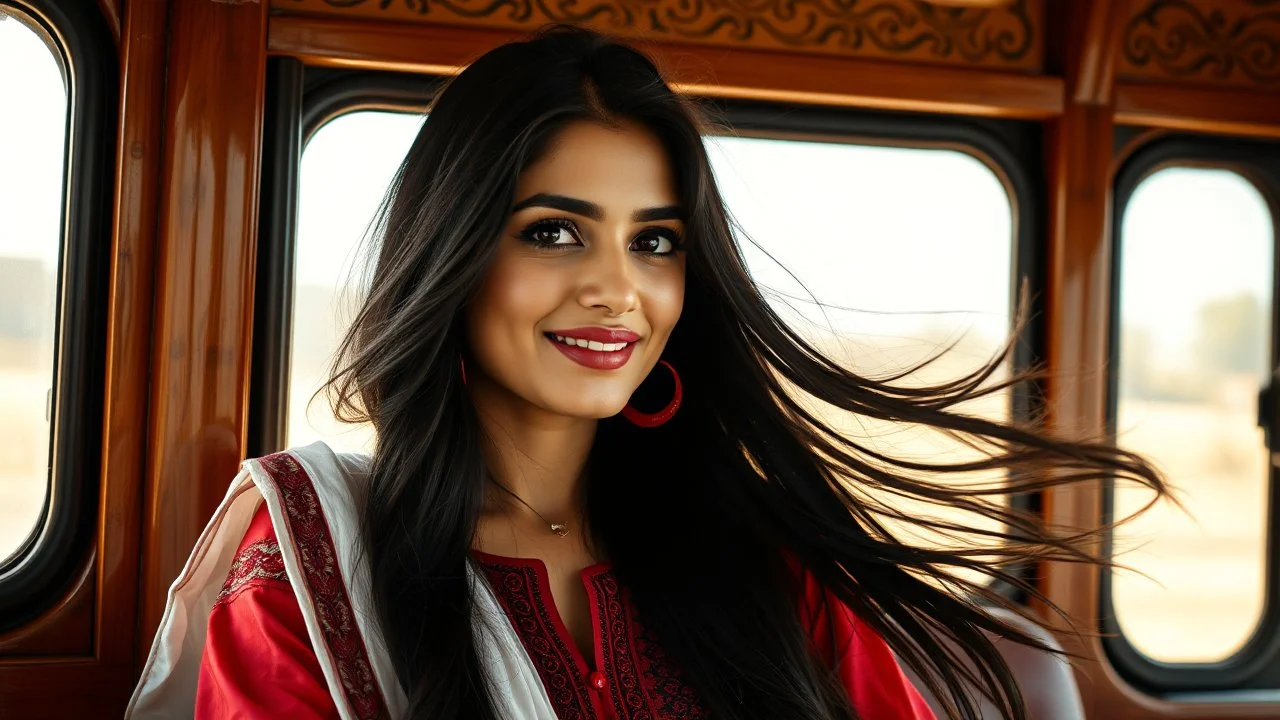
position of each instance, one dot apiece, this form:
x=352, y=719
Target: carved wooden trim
x=698, y=70
x=1008, y=37
x=1204, y=42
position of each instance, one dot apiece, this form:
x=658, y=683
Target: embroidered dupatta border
x=311, y=536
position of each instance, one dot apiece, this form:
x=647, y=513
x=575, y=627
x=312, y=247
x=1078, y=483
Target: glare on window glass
x=1196, y=275
x=32, y=143
x=882, y=256
x=906, y=250
x=346, y=169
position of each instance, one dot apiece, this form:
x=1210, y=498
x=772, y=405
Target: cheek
x=665, y=300
x=513, y=298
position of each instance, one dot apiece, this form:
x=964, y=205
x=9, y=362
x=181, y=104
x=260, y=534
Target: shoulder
x=317, y=459
x=336, y=478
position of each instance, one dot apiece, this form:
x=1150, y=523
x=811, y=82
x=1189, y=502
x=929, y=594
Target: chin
x=588, y=411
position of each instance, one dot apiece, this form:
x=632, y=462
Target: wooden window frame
x=49, y=561
x=1256, y=666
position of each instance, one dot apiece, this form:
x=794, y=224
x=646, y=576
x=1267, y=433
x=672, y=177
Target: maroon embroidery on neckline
x=663, y=683
x=640, y=682
x=619, y=662
x=313, y=540
x=521, y=596
x=255, y=564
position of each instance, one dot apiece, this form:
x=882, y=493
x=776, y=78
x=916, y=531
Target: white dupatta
x=314, y=497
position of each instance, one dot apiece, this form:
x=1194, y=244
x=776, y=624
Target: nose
x=608, y=282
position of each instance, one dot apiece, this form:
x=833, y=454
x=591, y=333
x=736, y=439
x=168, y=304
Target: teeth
x=591, y=344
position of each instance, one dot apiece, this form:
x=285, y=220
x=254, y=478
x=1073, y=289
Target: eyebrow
x=593, y=211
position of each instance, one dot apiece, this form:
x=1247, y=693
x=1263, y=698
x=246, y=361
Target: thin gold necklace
x=559, y=529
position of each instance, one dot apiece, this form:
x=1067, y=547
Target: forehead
x=623, y=167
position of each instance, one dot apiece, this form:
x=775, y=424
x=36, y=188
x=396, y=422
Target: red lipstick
x=601, y=358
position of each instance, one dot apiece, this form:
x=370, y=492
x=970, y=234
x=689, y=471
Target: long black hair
x=706, y=526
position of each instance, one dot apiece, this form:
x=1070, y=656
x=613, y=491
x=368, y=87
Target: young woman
x=594, y=493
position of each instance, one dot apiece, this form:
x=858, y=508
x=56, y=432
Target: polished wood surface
x=1093, y=56
x=1201, y=42
x=1007, y=36
x=783, y=77
x=1081, y=163
x=111, y=11
x=64, y=629
x=186, y=222
x=141, y=152
x=47, y=679
x=204, y=281
x=1225, y=111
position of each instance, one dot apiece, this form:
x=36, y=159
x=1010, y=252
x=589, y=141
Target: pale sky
x=33, y=118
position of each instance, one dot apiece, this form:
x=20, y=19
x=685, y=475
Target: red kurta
x=258, y=661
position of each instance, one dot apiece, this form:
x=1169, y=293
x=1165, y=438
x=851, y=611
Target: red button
x=597, y=680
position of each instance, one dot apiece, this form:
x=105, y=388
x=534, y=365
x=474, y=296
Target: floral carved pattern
x=1006, y=37
x=1205, y=40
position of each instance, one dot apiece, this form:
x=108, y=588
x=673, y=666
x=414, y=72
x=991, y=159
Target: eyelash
x=529, y=235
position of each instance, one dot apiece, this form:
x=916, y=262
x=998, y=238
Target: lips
x=597, y=348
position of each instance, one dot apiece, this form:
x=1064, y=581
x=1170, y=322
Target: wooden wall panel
x=79, y=659
x=1009, y=37
x=1081, y=163
x=1218, y=42
x=1218, y=110
x=140, y=155
x=111, y=11
x=202, y=330
x=700, y=70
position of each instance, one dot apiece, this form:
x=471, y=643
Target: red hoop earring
x=653, y=420
x=463, y=364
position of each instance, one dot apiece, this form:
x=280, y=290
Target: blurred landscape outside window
x=1197, y=268
x=33, y=127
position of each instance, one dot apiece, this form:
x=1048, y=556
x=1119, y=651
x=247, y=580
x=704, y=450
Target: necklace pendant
x=560, y=529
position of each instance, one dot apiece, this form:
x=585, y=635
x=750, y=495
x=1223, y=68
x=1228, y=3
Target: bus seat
x=1047, y=681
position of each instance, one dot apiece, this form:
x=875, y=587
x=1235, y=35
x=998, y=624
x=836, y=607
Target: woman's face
x=588, y=280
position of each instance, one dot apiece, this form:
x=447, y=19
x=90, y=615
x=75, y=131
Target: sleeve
x=258, y=661
x=861, y=658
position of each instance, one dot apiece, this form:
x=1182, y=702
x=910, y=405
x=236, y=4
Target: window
x=332, y=220
x=895, y=284
x=1193, y=347
x=850, y=260
x=58, y=79
x=33, y=144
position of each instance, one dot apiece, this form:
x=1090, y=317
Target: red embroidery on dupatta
x=254, y=564
x=319, y=559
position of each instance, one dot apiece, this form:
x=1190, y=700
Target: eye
x=552, y=232
x=656, y=241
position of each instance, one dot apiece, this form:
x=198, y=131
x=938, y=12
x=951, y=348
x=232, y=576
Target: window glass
x=907, y=250
x=1196, y=268
x=881, y=256
x=346, y=169
x=32, y=147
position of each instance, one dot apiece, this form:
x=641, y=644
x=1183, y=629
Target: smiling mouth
x=589, y=344
x=603, y=350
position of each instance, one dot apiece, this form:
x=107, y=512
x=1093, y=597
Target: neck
x=537, y=455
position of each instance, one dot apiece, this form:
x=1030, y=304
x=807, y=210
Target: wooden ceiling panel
x=1009, y=37
x=1213, y=42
